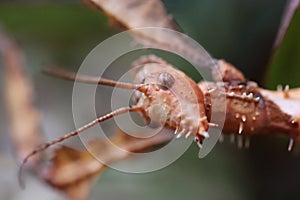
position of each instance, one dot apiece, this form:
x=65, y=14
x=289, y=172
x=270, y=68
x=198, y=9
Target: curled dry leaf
x=73, y=171
x=136, y=14
x=250, y=109
x=19, y=96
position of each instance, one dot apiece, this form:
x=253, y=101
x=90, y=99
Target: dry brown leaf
x=136, y=13
x=73, y=171
x=19, y=96
x=132, y=14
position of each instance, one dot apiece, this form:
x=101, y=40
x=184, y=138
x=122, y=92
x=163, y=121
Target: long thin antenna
x=72, y=76
x=74, y=133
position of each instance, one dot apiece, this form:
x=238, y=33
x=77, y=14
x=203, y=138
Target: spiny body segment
x=180, y=100
x=166, y=96
x=252, y=110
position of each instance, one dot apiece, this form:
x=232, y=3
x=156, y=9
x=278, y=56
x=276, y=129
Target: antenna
x=42, y=147
x=72, y=76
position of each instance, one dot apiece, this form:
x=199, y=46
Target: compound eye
x=165, y=80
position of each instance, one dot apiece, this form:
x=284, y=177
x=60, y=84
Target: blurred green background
x=240, y=31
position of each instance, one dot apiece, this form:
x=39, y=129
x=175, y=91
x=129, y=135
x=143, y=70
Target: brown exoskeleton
x=163, y=95
x=166, y=96
x=251, y=110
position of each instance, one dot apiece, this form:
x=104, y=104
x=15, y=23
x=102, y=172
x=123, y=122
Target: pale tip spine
x=291, y=144
x=241, y=127
x=188, y=134
x=213, y=124
x=204, y=134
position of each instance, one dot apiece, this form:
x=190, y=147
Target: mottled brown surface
x=227, y=72
x=73, y=170
x=183, y=93
x=274, y=112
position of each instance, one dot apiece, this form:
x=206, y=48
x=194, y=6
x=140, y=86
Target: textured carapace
x=173, y=97
x=167, y=97
x=163, y=95
x=228, y=72
x=252, y=110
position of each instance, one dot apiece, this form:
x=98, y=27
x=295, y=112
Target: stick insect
x=158, y=83
x=251, y=110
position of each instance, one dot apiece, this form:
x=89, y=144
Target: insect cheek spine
x=241, y=127
x=176, y=130
x=210, y=124
x=181, y=133
x=244, y=119
x=291, y=144
x=286, y=90
x=197, y=140
x=188, y=134
x=205, y=134
x=202, y=119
